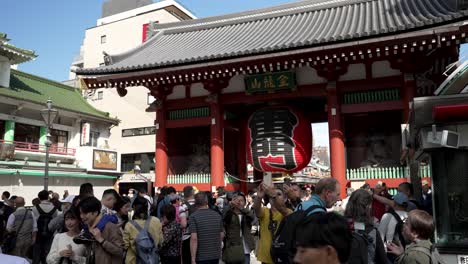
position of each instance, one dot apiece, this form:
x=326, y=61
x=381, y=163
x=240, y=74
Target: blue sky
x=55, y=28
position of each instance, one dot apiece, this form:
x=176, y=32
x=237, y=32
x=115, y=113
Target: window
x=93, y=138
x=140, y=131
x=144, y=160
x=59, y=138
x=26, y=133
x=103, y=39
x=100, y=95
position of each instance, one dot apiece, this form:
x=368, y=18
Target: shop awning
x=55, y=174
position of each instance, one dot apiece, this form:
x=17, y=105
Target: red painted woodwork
x=408, y=93
x=217, y=148
x=371, y=107
x=295, y=137
x=369, y=85
x=314, y=90
x=332, y=71
x=216, y=85
x=161, y=149
x=337, y=149
x=450, y=113
x=192, y=122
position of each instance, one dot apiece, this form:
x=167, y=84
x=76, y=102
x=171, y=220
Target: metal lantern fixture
x=49, y=115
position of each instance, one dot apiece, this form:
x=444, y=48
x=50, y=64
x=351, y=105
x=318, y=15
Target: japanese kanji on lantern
x=279, y=139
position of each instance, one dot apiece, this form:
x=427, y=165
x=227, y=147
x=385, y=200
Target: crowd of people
x=279, y=224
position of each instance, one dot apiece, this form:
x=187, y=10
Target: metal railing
x=384, y=173
x=35, y=147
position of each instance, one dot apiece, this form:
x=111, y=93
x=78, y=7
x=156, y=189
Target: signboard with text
x=270, y=82
x=85, y=133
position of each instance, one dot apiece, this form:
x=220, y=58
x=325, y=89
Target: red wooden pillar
x=161, y=148
x=217, y=148
x=242, y=158
x=337, y=150
x=407, y=95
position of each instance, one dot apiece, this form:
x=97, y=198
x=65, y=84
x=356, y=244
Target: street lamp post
x=49, y=114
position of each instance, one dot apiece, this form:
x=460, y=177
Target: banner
x=85, y=134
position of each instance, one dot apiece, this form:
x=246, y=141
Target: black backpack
x=283, y=246
x=363, y=247
x=190, y=208
x=43, y=221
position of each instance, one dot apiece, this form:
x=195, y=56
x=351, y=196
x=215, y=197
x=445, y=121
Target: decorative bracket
x=332, y=72
x=216, y=85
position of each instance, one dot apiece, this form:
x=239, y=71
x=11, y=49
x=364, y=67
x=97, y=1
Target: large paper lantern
x=279, y=139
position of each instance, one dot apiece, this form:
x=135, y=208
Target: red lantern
x=279, y=139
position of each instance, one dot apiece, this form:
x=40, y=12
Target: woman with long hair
x=359, y=213
x=122, y=207
x=140, y=220
x=63, y=249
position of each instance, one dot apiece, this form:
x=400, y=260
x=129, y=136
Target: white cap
x=68, y=199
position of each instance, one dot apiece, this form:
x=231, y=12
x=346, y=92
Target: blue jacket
x=314, y=200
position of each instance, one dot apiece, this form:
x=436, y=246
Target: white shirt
x=7, y=259
x=60, y=243
x=388, y=224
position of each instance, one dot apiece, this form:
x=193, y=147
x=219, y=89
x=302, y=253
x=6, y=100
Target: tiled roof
x=35, y=89
x=303, y=24
x=14, y=54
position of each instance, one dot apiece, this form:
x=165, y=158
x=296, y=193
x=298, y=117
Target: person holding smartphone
x=63, y=249
x=269, y=218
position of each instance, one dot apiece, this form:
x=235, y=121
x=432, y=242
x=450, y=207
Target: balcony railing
x=385, y=173
x=34, y=147
x=189, y=178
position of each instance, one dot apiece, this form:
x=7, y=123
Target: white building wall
x=29, y=186
x=130, y=110
x=121, y=36
x=4, y=71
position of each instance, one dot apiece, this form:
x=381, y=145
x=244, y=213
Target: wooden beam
x=193, y=122
x=372, y=84
x=371, y=107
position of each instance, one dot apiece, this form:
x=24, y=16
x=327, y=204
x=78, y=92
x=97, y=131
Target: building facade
x=80, y=150
x=118, y=31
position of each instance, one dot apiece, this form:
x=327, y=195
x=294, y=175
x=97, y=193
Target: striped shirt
x=207, y=224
